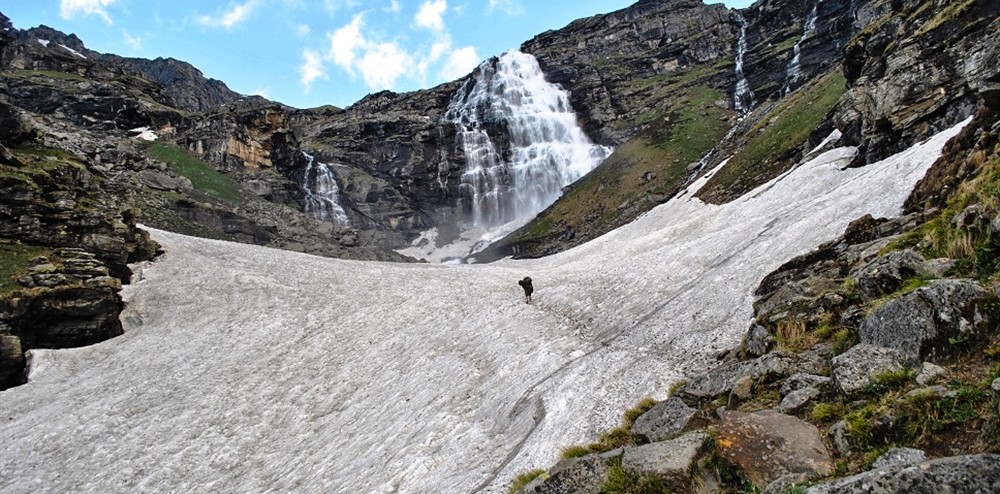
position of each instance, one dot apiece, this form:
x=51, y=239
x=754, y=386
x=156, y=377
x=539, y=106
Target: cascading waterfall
x=742, y=96
x=509, y=101
x=322, y=192
x=794, y=72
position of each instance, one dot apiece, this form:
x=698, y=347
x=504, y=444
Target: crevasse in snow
x=248, y=369
x=322, y=192
x=509, y=101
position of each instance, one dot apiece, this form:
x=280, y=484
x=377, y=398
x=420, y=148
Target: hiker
x=526, y=284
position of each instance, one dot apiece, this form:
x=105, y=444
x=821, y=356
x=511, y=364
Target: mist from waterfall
x=521, y=140
x=743, y=100
x=322, y=192
x=794, y=72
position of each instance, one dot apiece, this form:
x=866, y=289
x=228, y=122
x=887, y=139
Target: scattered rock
x=758, y=341
x=741, y=392
x=797, y=399
x=887, y=274
x=801, y=380
x=721, y=380
x=767, y=445
x=583, y=475
x=665, y=420
x=928, y=373
x=971, y=474
x=841, y=438
x=995, y=386
x=933, y=391
x=854, y=369
x=899, y=457
x=672, y=460
x=783, y=484
x=926, y=320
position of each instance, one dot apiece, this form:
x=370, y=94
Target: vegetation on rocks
x=205, y=179
x=14, y=259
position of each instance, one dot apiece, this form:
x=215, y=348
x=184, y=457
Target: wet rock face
x=915, y=70
x=598, y=59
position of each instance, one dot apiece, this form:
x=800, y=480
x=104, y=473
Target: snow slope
x=246, y=369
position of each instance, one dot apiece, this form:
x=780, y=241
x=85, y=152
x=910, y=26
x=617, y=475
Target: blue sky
x=311, y=53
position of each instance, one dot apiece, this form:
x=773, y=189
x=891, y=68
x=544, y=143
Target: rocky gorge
x=872, y=360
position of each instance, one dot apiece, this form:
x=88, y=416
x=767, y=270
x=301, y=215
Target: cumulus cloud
x=431, y=14
x=345, y=42
x=68, y=9
x=231, y=17
x=311, y=68
x=394, y=7
x=460, y=63
x=509, y=7
x=302, y=30
x=383, y=64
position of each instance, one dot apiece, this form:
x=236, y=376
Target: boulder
x=928, y=373
x=853, y=370
x=757, y=341
x=768, y=445
x=796, y=400
x=887, y=274
x=11, y=361
x=742, y=392
x=583, y=475
x=841, y=439
x=932, y=318
x=665, y=420
x=899, y=457
x=799, y=381
x=671, y=460
x=721, y=380
x=971, y=474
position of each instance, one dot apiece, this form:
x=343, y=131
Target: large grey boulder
x=721, y=380
x=975, y=474
x=795, y=401
x=757, y=341
x=802, y=380
x=927, y=320
x=671, y=460
x=854, y=369
x=583, y=475
x=899, y=457
x=887, y=274
x=768, y=445
x=665, y=420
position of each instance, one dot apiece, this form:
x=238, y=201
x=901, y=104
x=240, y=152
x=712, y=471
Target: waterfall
x=742, y=97
x=322, y=192
x=794, y=72
x=541, y=147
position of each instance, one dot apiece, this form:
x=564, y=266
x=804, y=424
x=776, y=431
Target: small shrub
x=524, y=479
x=575, y=451
x=842, y=339
x=828, y=412
x=792, y=334
x=889, y=381
x=675, y=387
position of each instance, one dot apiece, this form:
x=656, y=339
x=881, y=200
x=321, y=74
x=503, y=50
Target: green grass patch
x=622, y=481
x=205, y=179
x=617, y=437
x=14, y=263
x=771, y=149
x=828, y=411
x=951, y=10
x=524, y=479
x=49, y=74
x=889, y=381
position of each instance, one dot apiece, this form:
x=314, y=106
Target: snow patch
x=43, y=42
x=248, y=369
x=144, y=133
x=81, y=55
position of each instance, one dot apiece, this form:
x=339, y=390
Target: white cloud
x=69, y=8
x=230, y=18
x=438, y=50
x=383, y=64
x=460, y=63
x=394, y=7
x=302, y=30
x=509, y=7
x=311, y=69
x=262, y=92
x=430, y=15
x=344, y=43
x=134, y=42
x=332, y=6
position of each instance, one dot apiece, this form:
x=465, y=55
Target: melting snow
x=246, y=369
x=81, y=55
x=144, y=133
x=43, y=42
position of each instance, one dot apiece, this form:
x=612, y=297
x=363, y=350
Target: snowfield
x=247, y=369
